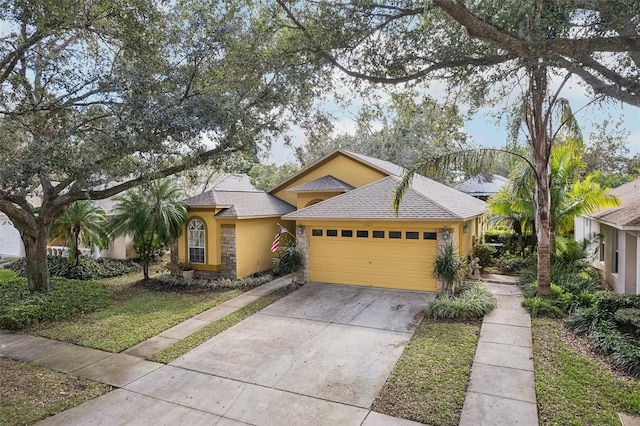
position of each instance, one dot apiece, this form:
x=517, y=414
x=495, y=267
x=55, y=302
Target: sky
x=482, y=127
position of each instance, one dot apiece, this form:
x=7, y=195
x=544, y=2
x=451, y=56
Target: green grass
x=7, y=275
x=136, y=315
x=573, y=390
x=429, y=382
x=213, y=329
x=30, y=393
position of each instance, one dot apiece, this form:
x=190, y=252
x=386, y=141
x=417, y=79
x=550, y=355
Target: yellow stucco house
x=339, y=209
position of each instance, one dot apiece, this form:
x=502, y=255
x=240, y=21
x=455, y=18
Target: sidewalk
x=120, y=369
x=502, y=386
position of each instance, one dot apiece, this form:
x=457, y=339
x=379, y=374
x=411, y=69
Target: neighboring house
x=616, y=235
x=482, y=188
x=10, y=241
x=340, y=210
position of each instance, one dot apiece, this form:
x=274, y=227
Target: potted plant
x=187, y=269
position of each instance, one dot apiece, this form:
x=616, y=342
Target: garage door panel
x=373, y=262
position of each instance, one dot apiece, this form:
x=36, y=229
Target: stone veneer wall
x=228, y=252
x=302, y=235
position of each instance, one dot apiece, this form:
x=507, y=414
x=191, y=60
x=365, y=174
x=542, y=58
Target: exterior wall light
x=445, y=233
x=465, y=228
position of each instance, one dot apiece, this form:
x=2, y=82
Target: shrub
x=513, y=262
x=289, y=260
x=177, y=283
x=19, y=308
x=448, y=267
x=607, y=323
x=473, y=302
x=87, y=269
x=629, y=318
x=539, y=307
x=485, y=253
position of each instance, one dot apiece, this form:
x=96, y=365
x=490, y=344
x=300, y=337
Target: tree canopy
x=98, y=97
x=485, y=51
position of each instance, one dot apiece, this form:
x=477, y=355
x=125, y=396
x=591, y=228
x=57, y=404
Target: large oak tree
x=484, y=50
x=97, y=97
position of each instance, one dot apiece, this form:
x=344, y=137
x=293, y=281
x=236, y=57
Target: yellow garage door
x=378, y=258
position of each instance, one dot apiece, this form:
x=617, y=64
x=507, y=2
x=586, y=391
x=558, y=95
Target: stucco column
x=302, y=237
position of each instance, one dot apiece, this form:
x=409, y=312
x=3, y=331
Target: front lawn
x=429, y=382
x=137, y=314
x=30, y=393
x=571, y=388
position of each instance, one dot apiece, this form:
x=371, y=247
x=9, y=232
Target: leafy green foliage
x=514, y=263
x=448, y=267
x=266, y=176
x=429, y=381
x=86, y=269
x=474, y=301
x=485, y=253
x=289, y=260
x=177, y=283
x=608, y=330
x=539, y=307
x=81, y=223
x=153, y=215
x=629, y=317
x=571, y=389
x=19, y=308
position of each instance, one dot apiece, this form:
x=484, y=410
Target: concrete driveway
x=316, y=357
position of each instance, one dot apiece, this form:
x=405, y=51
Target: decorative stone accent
x=302, y=236
x=173, y=258
x=228, y=252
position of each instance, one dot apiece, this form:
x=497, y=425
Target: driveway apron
x=316, y=357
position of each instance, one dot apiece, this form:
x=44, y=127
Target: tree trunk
x=35, y=248
x=537, y=122
x=543, y=209
x=145, y=268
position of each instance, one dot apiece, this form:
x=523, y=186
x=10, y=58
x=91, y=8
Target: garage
x=384, y=257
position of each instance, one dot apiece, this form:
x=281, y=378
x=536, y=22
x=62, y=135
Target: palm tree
x=152, y=215
x=570, y=197
x=82, y=223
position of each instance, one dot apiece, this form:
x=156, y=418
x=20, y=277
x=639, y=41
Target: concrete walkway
x=502, y=386
x=120, y=369
x=328, y=332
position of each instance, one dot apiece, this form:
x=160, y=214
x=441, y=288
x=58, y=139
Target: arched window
x=196, y=241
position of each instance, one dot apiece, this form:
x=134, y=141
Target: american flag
x=276, y=240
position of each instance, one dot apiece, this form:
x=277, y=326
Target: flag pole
x=287, y=231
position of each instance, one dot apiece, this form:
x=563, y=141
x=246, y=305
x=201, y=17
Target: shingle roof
x=383, y=165
x=479, y=186
x=241, y=204
x=325, y=183
x=425, y=200
x=628, y=214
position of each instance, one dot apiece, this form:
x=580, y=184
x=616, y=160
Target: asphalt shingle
x=426, y=199
x=628, y=214
x=241, y=204
x=325, y=183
